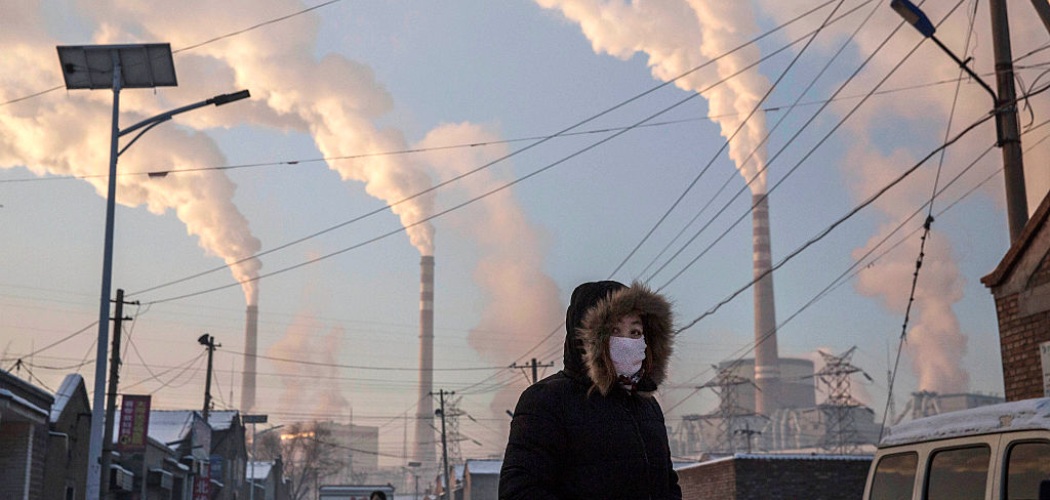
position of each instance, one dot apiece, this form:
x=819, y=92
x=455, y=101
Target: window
x=894, y=477
x=958, y=474
x=1026, y=465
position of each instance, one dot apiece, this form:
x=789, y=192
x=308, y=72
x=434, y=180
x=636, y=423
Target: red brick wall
x=711, y=480
x=1019, y=338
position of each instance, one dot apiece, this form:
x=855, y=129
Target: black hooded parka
x=579, y=434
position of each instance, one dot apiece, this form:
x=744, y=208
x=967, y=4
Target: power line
x=485, y=166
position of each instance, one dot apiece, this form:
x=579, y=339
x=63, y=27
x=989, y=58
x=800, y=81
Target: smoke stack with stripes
x=425, y=450
x=251, y=344
x=767, y=364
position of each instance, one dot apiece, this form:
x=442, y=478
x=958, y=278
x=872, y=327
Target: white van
x=992, y=452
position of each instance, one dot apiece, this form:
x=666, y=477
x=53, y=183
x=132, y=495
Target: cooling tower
x=425, y=450
x=767, y=365
x=251, y=335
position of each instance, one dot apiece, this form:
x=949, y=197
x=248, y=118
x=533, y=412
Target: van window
x=1027, y=464
x=894, y=477
x=958, y=474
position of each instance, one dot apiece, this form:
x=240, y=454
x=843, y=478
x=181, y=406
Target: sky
x=528, y=147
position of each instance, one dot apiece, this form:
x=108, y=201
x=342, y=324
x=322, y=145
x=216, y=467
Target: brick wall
x=776, y=477
x=1019, y=338
x=708, y=480
x=14, y=443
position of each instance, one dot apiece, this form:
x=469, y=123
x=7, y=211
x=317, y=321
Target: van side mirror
x=1044, y=489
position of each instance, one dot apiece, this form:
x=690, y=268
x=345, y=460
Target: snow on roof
x=258, y=470
x=4, y=393
x=483, y=466
x=1028, y=414
x=222, y=420
x=170, y=426
x=65, y=392
x=772, y=457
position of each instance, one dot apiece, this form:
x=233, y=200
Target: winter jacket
x=579, y=434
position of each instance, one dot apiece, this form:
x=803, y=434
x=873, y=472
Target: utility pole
x=111, y=394
x=209, y=342
x=444, y=444
x=1006, y=119
x=534, y=365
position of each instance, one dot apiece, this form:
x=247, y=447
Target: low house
x=481, y=479
x=268, y=480
x=65, y=475
x=1021, y=287
x=25, y=412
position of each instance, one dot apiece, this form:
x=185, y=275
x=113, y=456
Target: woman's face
x=629, y=326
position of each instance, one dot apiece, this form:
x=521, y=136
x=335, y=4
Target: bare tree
x=309, y=455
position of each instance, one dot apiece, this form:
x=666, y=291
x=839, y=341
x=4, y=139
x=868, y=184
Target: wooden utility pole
x=111, y=396
x=209, y=342
x=534, y=365
x=444, y=442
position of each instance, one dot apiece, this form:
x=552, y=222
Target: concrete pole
x=1006, y=118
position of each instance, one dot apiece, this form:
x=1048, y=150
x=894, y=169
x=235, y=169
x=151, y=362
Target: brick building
x=1021, y=287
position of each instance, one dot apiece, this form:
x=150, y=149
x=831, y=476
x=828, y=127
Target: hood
x=591, y=316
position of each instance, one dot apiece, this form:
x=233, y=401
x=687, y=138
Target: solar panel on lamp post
x=117, y=67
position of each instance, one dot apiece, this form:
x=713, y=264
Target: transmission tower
x=452, y=414
x=841, y=434
x=725, y=386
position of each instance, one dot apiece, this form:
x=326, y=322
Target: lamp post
x=253, y=419
x=117, y=67
x=1008, y=136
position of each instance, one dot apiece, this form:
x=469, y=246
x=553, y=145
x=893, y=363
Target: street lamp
x=253, y=419
x=116, y=67
x=1007, y=130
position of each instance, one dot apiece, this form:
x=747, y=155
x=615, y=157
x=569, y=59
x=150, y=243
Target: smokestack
x=767, y=364
x=425, y=451
x=251, y=345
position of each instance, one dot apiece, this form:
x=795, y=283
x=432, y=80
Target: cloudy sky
x=528, y=148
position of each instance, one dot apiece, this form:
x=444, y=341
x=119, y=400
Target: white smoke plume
x=678, y=36
x=69, y=134
x=332, y=98
x=521, y=302
x=309, y=388
x=935, y=341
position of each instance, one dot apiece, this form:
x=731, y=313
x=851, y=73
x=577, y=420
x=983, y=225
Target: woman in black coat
x=594, y=430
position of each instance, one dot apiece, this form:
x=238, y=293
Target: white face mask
x=627, y=354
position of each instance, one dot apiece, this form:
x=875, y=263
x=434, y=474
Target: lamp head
x=914, y=16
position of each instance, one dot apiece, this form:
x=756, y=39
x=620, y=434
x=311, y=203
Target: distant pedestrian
x=594, y=430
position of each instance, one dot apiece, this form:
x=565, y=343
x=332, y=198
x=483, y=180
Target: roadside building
x=25, y=412
x=65, y=475
x=1021, y=287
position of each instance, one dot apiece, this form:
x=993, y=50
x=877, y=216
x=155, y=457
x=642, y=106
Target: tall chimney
x=251, y=334
x=425, y=450
x=767, y=364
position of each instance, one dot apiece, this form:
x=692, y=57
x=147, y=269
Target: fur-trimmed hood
x=591, y=316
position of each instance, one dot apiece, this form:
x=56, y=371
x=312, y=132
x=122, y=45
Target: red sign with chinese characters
x=202, y=484
x=134, y=423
